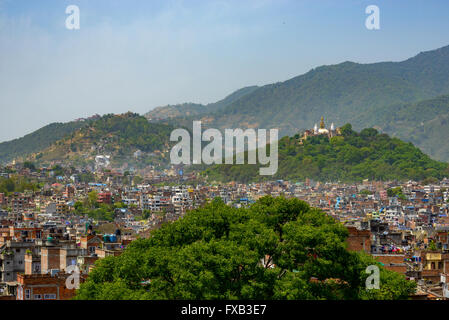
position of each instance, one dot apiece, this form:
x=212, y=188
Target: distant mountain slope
x=118, y=136
x=174, y=111
x=194, y=109
x=37, y=140
x=341, y=93
x=350, y=157
x=424, y=123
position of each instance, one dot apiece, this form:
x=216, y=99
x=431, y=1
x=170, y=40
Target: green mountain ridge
x=37, y=140
x=195, y=109
x=342, y=93
x=118, y=136
x=407, y=99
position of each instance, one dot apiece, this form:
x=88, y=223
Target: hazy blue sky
x=138, y=54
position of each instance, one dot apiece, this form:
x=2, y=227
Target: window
x=51, y=296
x=27, y=294
x=37, y=297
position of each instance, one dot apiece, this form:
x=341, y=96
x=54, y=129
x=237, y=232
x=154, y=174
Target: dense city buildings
x=46, y=232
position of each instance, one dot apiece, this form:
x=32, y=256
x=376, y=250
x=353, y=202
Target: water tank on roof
x=54, y=272
x=113, y=238
x=106, y=238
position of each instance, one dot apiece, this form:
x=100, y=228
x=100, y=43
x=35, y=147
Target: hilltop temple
x=322, y=130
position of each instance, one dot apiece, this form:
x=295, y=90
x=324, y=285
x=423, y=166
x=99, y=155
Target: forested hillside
x=38, y=140
x=350, y=157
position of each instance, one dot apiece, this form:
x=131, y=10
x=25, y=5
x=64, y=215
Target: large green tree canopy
x=276, y=249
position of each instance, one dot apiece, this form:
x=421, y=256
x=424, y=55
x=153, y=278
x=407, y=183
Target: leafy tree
x=58, y=170
x=7, y=185
x=102, y=212
x=137, y=180
x=17, y=184
x=366, y=192
x=430, y=180
x=276, y=249
x=93, y=199
x=29, y=165
x=432, y=245
x=79, y=208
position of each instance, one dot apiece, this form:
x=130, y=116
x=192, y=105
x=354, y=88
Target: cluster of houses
x=43, y=237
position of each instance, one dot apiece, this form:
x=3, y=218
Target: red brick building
x=105, y=197
x=32, y=263
x=44, y=287
x=392, y=262
x=25, y=233
x=50, y=259
x=359, y=240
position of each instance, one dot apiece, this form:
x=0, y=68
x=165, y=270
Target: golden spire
x=322, y=123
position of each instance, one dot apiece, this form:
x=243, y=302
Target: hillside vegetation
x=424, y=123
x=116, y=135
x=38, y=140
x=350, y=157
x=365, y=95
x=187, y=110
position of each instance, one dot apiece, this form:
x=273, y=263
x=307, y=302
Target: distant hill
x=407, y=99
x=194, y=109
x=38, y=140
x=362, y=94
x=424, y=123
x=118, y=136
x=339, y=93
x=350, y=157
